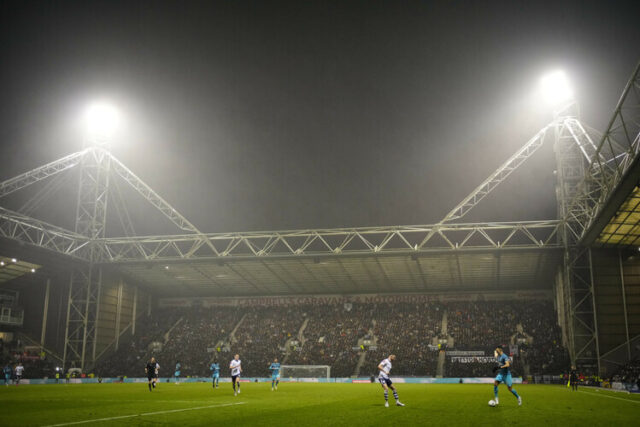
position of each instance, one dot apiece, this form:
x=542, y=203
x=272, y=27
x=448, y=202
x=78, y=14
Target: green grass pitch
x=298, y=404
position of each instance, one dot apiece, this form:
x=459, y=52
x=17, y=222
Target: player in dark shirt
x=573, y=379
x=150, y=369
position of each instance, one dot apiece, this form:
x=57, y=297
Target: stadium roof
x=623, y=229
x=12, y=268
x=476, y=270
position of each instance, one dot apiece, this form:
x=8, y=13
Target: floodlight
x=14, y=260
x=33, y=270
x=101, y=119
x=556, y=88
x=1, y=263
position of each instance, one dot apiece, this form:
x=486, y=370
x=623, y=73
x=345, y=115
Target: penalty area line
x=145, y=414
x=610, y=397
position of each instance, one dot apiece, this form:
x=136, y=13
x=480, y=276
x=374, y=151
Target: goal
x=305, y=371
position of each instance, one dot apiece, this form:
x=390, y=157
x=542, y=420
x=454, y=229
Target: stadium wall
x=32, y=290
x=120, y=301
x=115, y=310
x=616, y=278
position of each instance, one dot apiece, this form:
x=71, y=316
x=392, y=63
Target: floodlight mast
x=575, y=149
x=96, y=167
x=91, y=217
x=557, y=93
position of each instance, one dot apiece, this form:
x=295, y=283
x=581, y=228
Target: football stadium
x=516, y=302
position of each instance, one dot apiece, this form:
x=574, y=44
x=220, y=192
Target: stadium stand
x=351, y=338
x=629, y=373
x=132, y=353
x=530, y=326
x=331, y=335
x=262, y=335
x=195, y=339
x=407, y=330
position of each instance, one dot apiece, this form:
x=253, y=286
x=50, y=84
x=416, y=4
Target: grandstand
x=436, y=295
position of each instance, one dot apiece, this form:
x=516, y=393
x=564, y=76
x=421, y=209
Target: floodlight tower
x=91, y=215
x=574, y=149
x=558, y=95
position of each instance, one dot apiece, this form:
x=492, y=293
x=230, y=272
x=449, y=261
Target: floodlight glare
x=556, y=88
x=101, y=119
x=14, y=260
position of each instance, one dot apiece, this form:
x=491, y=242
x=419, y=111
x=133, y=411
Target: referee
x=150, y=370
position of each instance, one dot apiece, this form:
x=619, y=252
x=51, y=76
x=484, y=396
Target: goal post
x=305, y=371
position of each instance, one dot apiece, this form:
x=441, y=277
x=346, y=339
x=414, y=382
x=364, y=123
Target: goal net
x=305, y=371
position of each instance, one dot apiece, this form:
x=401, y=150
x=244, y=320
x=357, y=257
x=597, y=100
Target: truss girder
x=151, y=196
x=22, y=228
x=91, y=215
x=371, y=240
x=585, y=349
x=574, y=151
x=497, y=177
x=586, y=184
x=617, y=151
x=82, y=311
x=24, y=180
x=581, y=138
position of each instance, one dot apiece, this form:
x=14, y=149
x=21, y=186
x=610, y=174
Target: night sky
x=268, y=115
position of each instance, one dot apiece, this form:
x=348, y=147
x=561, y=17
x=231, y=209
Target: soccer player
x=573, y=379
x=275, y=374
x=215, y=373
x=504, y=375
x=7, y=374
x=385, y=381
x=236, y=370
x=176, y=374
x=19, y=371
x=155, y=375
x=150, y=370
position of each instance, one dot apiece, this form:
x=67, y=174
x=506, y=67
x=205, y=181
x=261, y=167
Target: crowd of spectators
x=133, y=351
x=546, y=354
x=262, y=335
x=338, y=334
x=482, y=325
x=473, y=324
x=628, y=373
x=331, y=336
x=194, y=340
x=406, y=330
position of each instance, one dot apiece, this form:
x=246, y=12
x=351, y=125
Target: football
x=492, y=403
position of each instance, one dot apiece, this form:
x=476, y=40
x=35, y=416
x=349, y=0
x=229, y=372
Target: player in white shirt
x=156, y=373
x=19, y=371
x=236, y=370
x=385, y=381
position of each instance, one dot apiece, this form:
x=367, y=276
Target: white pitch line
x=49, y=399
x=95, y=420
x=610, y=397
